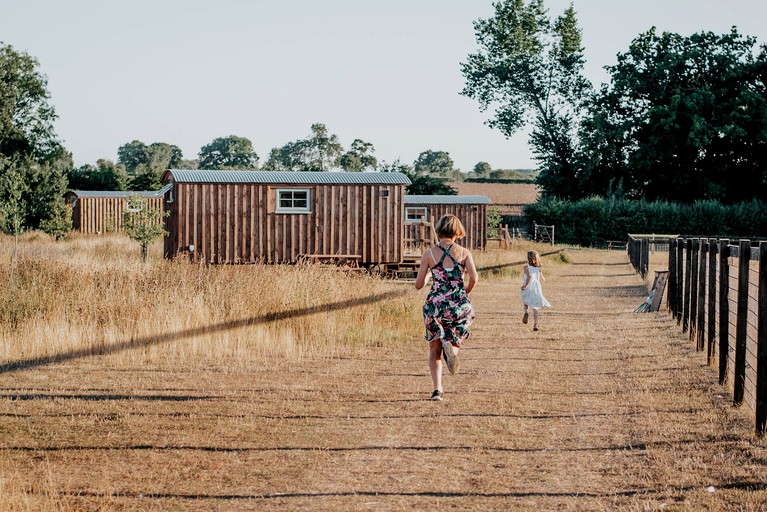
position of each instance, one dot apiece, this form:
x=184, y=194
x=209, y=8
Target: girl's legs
x=524, y=317
x=435, y=363
x=536, y=314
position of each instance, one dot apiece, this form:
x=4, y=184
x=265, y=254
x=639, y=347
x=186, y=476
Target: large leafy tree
x=29, y=148
x=359, y=157
x=290, y=157
x=683, y=118
x=529, y=69
x=482, y=169
x=434, y=163
x=231, y=152
x=145, y=164
x=321, y=151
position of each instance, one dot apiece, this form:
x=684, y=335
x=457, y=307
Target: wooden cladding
x=472, y=216
x=100, y=215
x=238, y=223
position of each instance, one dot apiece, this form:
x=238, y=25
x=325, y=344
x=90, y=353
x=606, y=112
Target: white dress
x=532, y=295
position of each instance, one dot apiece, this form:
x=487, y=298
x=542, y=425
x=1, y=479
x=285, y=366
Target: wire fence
x=717, y=292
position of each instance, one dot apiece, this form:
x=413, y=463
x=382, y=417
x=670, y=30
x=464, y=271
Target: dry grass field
x=176, y=387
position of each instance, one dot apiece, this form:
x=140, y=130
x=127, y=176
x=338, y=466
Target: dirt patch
x=601, y=409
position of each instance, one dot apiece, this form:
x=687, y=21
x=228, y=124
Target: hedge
x=591, y=222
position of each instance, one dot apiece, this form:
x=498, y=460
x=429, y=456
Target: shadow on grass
x=638, y=447
x=514, y=263
x=744, y=485
x=146, y=341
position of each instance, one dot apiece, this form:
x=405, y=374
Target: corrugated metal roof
x=280, y=177
x=447, y=199
x=113, y=193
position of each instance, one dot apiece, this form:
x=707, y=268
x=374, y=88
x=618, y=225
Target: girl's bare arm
x=526, y=277
x=423, y=271
x=471, y=270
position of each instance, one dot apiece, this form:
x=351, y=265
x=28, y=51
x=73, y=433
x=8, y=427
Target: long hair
x=449, y=226
x=533, y=258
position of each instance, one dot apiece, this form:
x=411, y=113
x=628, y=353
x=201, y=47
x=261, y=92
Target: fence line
x=717, y=292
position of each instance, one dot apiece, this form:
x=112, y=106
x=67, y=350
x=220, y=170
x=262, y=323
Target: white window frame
x=421, y=210
x=292, y=209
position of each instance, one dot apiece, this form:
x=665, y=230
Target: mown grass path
x=602, y=409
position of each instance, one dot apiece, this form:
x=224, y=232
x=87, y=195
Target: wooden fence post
x=687, y=273
x=679, y=280
x=694, y=288
x=724, y=308
x=712, y=252
x=741, y=326
x=645, y=258
x=701, y=339
x=761, y=346
x=671, y=295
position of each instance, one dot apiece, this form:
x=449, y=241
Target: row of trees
x=682, y=118
x=140, y=166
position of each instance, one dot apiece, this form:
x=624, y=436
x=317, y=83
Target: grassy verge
x=93, y=295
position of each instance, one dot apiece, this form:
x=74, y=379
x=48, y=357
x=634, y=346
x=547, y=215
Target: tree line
x=683, y=118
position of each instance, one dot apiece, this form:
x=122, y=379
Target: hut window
x=416, y=214
x=293, y=200
x=134, y=205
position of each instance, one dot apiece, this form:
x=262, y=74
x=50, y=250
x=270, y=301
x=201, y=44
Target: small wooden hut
x=281, y=217
x=427, y=210
x=99, y=212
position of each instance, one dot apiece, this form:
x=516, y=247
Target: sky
x=185, y=72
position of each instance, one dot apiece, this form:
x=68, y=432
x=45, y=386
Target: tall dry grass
x=94, y=295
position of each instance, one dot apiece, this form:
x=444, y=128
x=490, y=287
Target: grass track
x=602, y=409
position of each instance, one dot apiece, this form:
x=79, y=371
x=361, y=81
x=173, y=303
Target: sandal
x=525, y=317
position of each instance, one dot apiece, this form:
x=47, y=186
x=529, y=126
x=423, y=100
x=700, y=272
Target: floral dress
x=447, y=313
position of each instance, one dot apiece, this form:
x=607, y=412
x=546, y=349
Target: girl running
x=447, y=313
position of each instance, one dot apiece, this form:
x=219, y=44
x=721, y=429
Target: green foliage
x=105, y=175
x=143, y=226
x=30, y=153
x=230, y=152
x=481, y=170
x=26, y=118
x=13, y=203
x=359, y=157
x=434, y=163
x=59, y=225
x=529, y=67
x=493, y=221
x=145, y=165
x=593, y=221
x=321, y=151
x=421, y=184
x=684, y=118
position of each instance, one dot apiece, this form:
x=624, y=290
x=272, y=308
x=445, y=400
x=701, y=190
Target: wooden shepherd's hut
x=99, y=212
x=282, y=217
x=471, y=210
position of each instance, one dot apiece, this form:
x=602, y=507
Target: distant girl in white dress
x=532, y=293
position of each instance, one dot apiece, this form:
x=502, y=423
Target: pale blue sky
x=187, y=71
